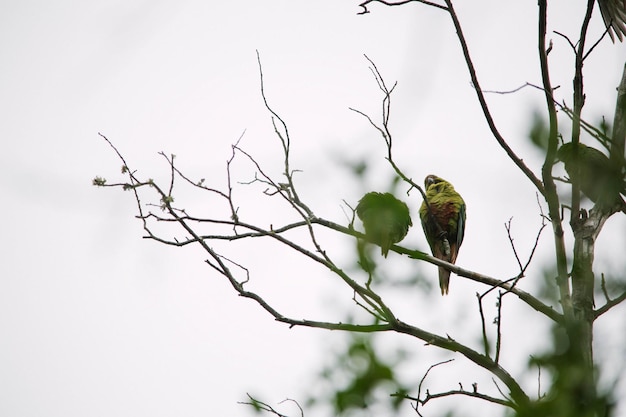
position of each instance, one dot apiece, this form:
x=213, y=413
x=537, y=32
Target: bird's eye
x=430, y=181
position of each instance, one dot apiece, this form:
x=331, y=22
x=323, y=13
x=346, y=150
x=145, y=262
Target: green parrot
x=444, y=221
x=598, y=180
x=385, y=218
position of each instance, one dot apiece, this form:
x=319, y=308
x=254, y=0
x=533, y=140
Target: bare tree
x=574, y=388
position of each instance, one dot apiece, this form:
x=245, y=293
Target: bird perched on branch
x=599, y=179
x=443, y=221
x=614, y=15
x=385, y=218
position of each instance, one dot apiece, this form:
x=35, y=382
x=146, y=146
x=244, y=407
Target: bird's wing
x=460, y=227
x=614, y=15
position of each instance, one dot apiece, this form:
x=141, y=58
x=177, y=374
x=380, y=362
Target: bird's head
x=564, y=154
x=431, y=180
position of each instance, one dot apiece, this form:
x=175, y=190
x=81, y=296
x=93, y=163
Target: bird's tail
x=444, y=280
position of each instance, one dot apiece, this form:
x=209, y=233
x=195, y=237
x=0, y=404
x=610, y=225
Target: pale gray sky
x=95, y=321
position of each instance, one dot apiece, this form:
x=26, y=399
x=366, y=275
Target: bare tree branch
x=550, y=194
x=609, y=305
x=483, y=103
x=419, y=400
x=474, y=394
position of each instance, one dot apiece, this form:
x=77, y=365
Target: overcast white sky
x=96, y=321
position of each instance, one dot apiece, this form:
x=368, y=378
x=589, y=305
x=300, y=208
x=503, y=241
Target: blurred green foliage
x=359, y=376
x=539, y=131
x=569, y=393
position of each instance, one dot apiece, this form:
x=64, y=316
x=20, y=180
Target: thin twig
x=296, y=403
x=507, y=226
x=482, y=323
x=260, y=405
x=586, y=126
x=499, y=327
x=398, y=3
